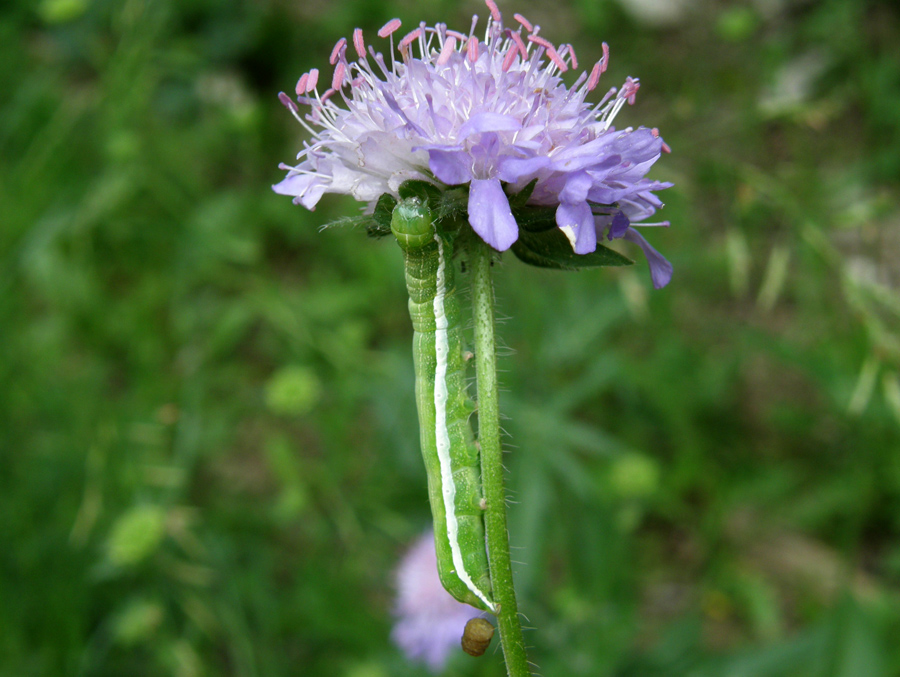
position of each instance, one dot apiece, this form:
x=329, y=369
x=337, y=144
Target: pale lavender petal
x=640, y=207
x=619, y=225
x=576, y=188
x=485, y=153
x=601, y=171
x=293, y=185
x=660, y=268
x=581, y=156
x=638, y=145
x=512, y=169
x=586, y=239
x=576, y=220
x=488, y=122
x=453, y=167
x=307, y=190
x=490, y=215
x=394, y=106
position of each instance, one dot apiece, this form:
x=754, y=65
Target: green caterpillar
x=448, y=445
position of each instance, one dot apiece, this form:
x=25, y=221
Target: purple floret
x=430, y=622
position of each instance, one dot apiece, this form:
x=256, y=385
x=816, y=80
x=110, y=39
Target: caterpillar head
x=411, y=223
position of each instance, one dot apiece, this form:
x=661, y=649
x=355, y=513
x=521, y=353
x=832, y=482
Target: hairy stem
x=496, y=532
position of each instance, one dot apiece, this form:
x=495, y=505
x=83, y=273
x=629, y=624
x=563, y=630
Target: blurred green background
x=208, y=446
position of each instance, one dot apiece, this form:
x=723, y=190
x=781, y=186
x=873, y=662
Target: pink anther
x=358, y=43
x=313, y=80
x=410, y=37
x=457, y=35
x=389, y=28
x=572, y=57
x=286, y=101
x=472, y=49
x=337, y=80
x=604, y=62
x=655, y=132
x=665, y=148
x=336, y=52
x=523, y=50
x=629, y=89
x=541, y=41
x=509, y=58
x=301, y=84
x=328, y=94
x=525, y=22
x=447, y=50
x=594, y=79
x=495, y=12
x=553, y=55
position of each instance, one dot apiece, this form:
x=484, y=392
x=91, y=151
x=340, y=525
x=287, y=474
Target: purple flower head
x=430, y=622
x=492, y=114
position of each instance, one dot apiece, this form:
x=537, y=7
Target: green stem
x=492, y=461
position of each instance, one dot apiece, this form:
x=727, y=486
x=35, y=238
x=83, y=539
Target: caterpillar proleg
x=448, y=445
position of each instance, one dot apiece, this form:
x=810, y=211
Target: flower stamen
x=570, y=50
x=472, y=49
x=526, y=24
x=551, y=52
x=301, y=84
x=313, y=80
x=358, y=43
x=409, y=37
x=509, y=59
x=594, y=79
x=337, y=80
x=448, y=50
x=389, y=28
x=495, y=12
x=336, y=52
x=520, y=44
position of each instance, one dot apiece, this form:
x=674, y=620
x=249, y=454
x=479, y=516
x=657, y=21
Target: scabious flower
x=492, y=114
x=430, y=622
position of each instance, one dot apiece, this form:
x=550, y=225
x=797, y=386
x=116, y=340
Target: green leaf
x=518, y=200
x=422, y=190
x=453, y=204
x=384, y=208
x=550, y=248
x=535, y=219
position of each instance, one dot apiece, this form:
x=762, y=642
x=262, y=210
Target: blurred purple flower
x=430, y=622
x=481, y=113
